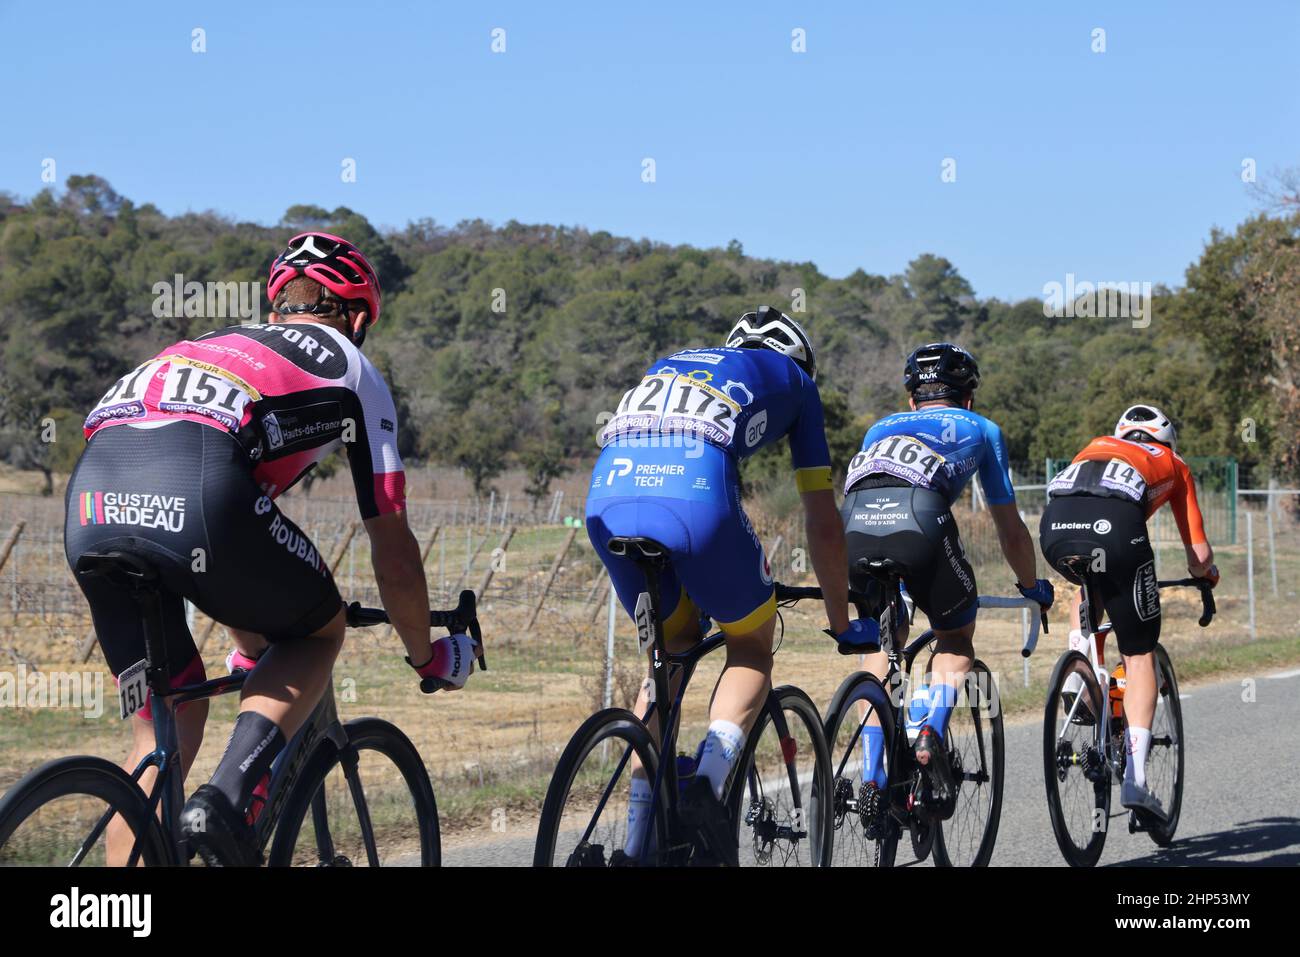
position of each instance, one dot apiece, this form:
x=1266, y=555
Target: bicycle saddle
x=637, y=548
x=884, y=569
x=120, y=568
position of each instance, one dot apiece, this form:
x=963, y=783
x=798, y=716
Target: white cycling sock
x=721, y=748
x=638, y=816
x=1139, y=743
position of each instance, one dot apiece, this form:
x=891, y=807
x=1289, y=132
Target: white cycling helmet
x=1147, y=419
x=772, y=329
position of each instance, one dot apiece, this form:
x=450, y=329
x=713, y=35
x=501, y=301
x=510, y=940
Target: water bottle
x=1118, y=682
x=686, y=765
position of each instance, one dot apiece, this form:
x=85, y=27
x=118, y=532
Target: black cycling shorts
x=1107, y=537
x=183, y=496
x=914, y=527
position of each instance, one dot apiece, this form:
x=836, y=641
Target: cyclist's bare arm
x=825, y=530
x=1187, y=514
x=1016, y=543
x=402, y=585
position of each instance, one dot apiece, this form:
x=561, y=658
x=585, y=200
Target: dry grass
x=490, y=748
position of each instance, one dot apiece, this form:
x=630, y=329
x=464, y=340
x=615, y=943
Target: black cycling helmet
x=945, y=364
x=772, y=329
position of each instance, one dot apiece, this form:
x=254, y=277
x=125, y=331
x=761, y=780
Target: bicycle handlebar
x=1031, y=639
x=1208, y=608
x=791, y=593
x=463, y=618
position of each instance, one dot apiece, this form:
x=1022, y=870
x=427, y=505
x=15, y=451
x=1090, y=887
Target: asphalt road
x=1241, y=802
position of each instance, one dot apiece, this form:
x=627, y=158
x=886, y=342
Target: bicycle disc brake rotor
x=761, y=819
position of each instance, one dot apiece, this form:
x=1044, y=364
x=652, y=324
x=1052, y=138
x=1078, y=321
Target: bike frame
x=897, y=684
x=665, y=667
x=1116, y=757
x=168, y=786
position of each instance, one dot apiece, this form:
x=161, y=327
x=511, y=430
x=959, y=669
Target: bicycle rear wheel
x=781, y=793
x=371, y=805
x=1164, y=771
x=57, y=816
x=976, y=748
x=585, y=815
x=1075, y=772
x=863, y=836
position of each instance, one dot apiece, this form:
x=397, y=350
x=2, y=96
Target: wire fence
x=558, y=646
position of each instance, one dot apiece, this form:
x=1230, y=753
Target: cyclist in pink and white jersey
x=186, y=454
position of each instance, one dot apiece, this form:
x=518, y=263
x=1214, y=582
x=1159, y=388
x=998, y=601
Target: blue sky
x=1113, y=166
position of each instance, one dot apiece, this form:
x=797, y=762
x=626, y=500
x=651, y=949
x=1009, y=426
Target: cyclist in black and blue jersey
x=898, y=496
x=669, y=471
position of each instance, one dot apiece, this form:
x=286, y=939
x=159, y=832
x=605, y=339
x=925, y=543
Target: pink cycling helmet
x=333, y=262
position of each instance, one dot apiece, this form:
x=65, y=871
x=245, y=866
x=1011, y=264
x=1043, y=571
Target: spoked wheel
x=58, y=816
x=368, y=805
x=865, y=833
x=585, y=817
x=1164, y=769
x=781, y=793
x=975, y=747
x=1075, y=772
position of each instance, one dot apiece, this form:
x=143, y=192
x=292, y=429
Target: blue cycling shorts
x=688, y=499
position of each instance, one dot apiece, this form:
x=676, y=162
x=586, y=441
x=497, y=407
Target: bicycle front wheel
x=1164, y=769
x=866, y=834
x=585, y=816
x=781, y=793
x=370, y=803
x=1075, y=771
x=975, y=747
x=59, y=814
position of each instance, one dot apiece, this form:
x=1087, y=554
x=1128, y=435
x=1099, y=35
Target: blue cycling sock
x=942, y=699
x=873, y=754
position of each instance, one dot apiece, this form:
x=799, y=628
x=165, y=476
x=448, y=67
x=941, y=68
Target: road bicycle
x=1084, y=751
x=58, y=814
x=777, y=794
x=869, y=822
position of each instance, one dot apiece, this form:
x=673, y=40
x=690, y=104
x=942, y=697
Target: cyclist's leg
x=881, y=522
x=112, y=462
x=942, y=583
x=728, y=574
x=265, y=576
x=606, y=519
x=1131, y=598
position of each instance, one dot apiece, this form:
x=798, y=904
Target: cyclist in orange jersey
x=1098, y=506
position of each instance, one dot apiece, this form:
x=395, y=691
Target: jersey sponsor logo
x=387, y=425
x=305, y=426
x=955, y=561
x=1071, y=526
x=143, y=509
x=1146, y=592
x=712, y=358
x=882, y=518
x=296, y=543
x=1101, y=526
x=314, y=352
x=755, y=428
x=621, y=467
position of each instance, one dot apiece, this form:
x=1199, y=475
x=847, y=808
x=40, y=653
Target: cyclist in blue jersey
x=898, y=496
x=668, y=470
